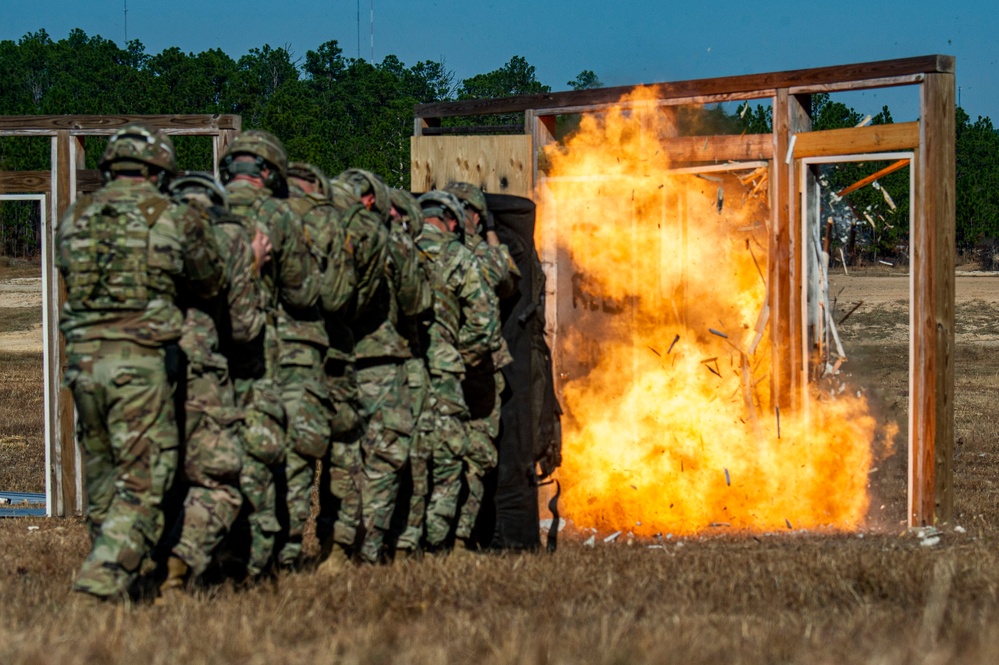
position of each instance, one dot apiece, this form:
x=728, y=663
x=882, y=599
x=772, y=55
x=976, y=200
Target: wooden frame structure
x=67, y=177
x=515, y=164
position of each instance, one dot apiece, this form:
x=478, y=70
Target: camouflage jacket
x=226, y=333
x=334, y=256
x=500, y=273
x=289, y=277
x=463, y=329
x=498, y=267
x=402, y=291
x=125, y=253
x=368, y=239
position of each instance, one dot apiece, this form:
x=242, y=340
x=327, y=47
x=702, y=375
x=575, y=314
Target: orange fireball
x=664, y=348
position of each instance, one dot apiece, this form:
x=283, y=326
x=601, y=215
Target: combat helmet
x=343, y=195
x=267, y=150
x=439, y=203
x=470, y=195
x=313, y=174
x=138, y=147
x=200, y=188
x=366, y=182
x=407, y=204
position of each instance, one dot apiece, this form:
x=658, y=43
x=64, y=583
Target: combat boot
x=337, y=562
x=464, y=547
x=173, y=586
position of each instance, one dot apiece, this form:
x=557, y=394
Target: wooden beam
x=785, y=270
x=39, y=182
x=858, y=73
x=25, y=182
x=931, y=361
x=103, y=125
x=863, y=182
x=735, y=148
x=473, y=130
x=67, y=454
x=543, y=129
x=856, y=140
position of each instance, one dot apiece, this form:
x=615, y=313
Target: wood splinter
x=675, y=340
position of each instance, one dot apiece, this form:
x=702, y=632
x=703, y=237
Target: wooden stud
x=931, y=361
x=856, y=76
x=855, y=140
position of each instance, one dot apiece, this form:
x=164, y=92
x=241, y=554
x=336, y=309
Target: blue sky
x=623, y=42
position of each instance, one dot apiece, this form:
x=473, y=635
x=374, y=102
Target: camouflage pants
x=420, y=451
x=449, y=445
x=307, y=404
x=482, y=457
x=385, y=399
x=263, y=441
x=212, y=462
x=129, y=436
x=339, y=517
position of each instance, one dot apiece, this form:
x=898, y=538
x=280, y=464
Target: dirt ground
x=881, y=595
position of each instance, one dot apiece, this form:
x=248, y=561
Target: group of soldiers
x=228, y=341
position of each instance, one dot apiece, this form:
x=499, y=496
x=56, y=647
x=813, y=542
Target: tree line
x=339, y=112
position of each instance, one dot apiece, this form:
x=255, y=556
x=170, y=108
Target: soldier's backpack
x=107, y=253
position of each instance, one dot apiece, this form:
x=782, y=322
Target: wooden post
x=790, y=116
x=542, y=127
x=64, y=479
x=931, y=355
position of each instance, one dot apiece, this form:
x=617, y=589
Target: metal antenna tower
x=126, y=22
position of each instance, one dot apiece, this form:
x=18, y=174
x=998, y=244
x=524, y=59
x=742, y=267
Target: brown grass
x=22, y=443
x=879, y=596
x=16, y=267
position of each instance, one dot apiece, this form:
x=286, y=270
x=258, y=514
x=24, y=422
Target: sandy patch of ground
x=22, y=293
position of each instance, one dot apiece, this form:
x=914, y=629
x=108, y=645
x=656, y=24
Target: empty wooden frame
x=64, y=487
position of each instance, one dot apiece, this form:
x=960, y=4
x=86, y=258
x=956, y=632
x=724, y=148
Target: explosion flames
x=666, y=352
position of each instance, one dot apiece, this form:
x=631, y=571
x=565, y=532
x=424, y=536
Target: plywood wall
x=497, y=164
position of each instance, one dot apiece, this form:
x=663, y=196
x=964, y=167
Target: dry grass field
x=883, y=595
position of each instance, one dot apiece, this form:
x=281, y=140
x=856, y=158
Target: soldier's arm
x=412, y=288
x=204, y=267
x=479, y=333
x=508, y=274
x=245, y=311
x=339, y=279
x=299, y=276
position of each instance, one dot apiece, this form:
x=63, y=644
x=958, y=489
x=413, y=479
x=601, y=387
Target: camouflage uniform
x=305, y=347
x=125, y=253
x=219, y=339
x=462, y=334
x=289, y=282
x=410, y=219
x=365, y=238
x=484, y=383
x=381, y=353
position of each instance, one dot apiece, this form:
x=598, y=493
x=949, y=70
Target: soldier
x=221, y=339
x=126, y=252
x=340, y=512
x=381, y=353
x=305, y=345
x=255, y=169
x=483, y=384
x=407, y=216
x=462, y=334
